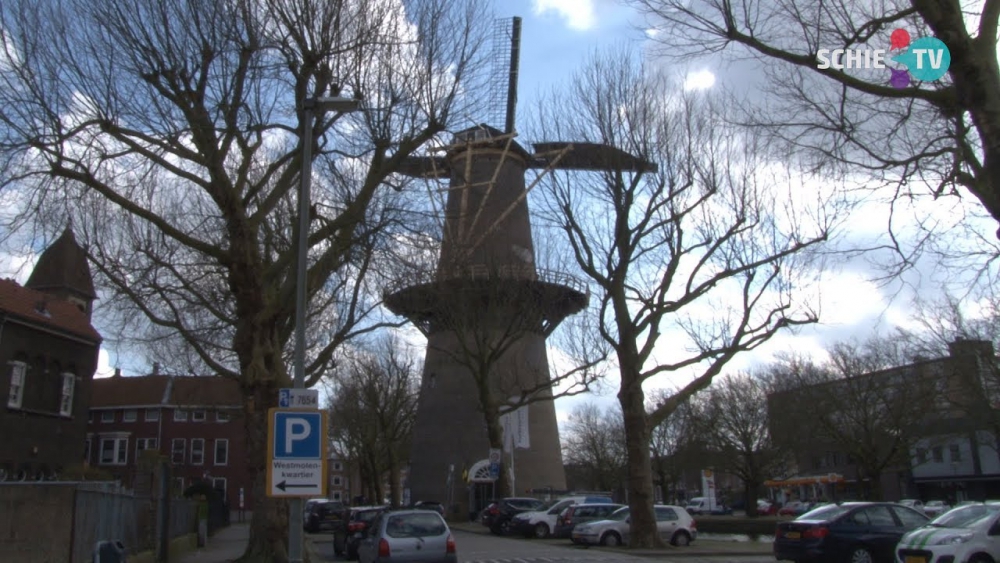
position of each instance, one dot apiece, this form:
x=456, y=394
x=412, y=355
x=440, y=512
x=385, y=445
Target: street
x=485, y=548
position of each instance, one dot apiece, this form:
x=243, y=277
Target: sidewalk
x=225, y=546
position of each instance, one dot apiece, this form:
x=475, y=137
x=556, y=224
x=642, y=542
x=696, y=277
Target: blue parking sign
x=298, y=435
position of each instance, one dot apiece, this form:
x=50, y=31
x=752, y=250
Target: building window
x=956, y=453
x=336, y=495
x=179, y=483
x=177, y=451
x=129, y=415
x=219, y=484
x=152, y=415
x=66, y=398
x=337, y=466
x=197, y=451
x=142, y=444
x=198, y=416
x=114, y=451
x=180, y=415
x=336, y=481
x=221, y=452
x=937, y=454
x=222, y=416
x=921, y=455
x=107, y=416
x=18, y=374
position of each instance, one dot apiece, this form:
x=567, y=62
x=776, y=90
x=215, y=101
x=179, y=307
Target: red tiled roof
x=128, y=391
x=22, y=302
x=187, y=390
x=205, y=391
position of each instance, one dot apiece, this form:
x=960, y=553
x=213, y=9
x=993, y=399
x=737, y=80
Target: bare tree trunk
x=394, y=491
x=269, y=523
x=640, y=472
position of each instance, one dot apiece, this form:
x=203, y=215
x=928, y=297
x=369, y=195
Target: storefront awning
x=805, y=480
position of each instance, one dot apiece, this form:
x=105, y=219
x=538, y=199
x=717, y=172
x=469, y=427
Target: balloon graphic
x=899, y=39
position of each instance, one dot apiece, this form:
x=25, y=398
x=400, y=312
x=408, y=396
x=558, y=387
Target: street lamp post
x=309, y=108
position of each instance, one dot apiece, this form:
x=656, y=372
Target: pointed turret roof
x=63, y=265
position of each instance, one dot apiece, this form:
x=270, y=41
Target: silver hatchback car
x=417, y=536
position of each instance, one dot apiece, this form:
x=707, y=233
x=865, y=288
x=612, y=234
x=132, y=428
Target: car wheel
x=681, y=539
x=611, y=539
x=861, y=555
x=541, y=530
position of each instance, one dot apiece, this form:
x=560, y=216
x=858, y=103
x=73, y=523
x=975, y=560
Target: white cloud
x=104, y=367
x=579, y=14
x=699, y=80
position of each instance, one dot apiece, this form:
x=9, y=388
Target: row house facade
x=950, y=451
x=195, y=423
x=48, y=356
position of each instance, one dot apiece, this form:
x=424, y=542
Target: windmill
x=486, y=277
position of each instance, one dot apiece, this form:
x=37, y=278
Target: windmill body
x=486, y=293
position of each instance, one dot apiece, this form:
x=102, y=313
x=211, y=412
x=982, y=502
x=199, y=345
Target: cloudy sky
x=557, y=38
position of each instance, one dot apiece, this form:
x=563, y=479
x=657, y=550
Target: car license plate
x=797, y=535
x=914, y=559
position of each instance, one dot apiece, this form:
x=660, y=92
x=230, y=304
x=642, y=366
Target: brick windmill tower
x=486, y=291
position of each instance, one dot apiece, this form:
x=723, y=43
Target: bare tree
x=372, y=414
x=705, y=250
x=733, y=421
x=169, y=132
x=669, y=444
x=594, y=442
x=940, y=137
x=861, y=402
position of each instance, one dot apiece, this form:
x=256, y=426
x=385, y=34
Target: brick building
x=48, y=356
x=194, y=422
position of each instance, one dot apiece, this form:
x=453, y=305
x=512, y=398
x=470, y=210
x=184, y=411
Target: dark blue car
x=853, y=532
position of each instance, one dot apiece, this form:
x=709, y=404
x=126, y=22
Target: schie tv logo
x=926, y=59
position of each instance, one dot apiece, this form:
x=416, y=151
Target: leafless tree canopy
x=373, y=407
x=940, y=138
x=732, y=419
x=708, y=251
x=860, y=403
x=170, y=132
x=594, y=446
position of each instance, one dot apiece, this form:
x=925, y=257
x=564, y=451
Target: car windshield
x=965, y=517
x=619, y=515
x=828, y=512
x=414, y=525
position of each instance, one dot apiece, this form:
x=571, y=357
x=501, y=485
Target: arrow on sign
x=283, y=486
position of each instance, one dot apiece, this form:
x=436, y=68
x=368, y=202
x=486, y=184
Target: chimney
x=156, y=368
x=118, y=372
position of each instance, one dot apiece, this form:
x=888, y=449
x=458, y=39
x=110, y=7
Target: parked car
x=429, y=505
x=576, y=514
x=672, y=522
x=408, y=535
x=968, y=533
x=540, y=523
x=935, y=508
x=855, y=532
x=766, y=507
x=497, y=516
x=358, y=522
x=793, y=508
x=307, y=506
x=327, y=515
x=697, y=505
x=913, y=503
x=721, y=510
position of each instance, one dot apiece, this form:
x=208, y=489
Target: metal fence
x=116, y=515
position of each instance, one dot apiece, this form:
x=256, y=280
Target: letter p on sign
x=295, y=429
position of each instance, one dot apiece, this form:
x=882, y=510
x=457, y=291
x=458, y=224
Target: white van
x=697, y=505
